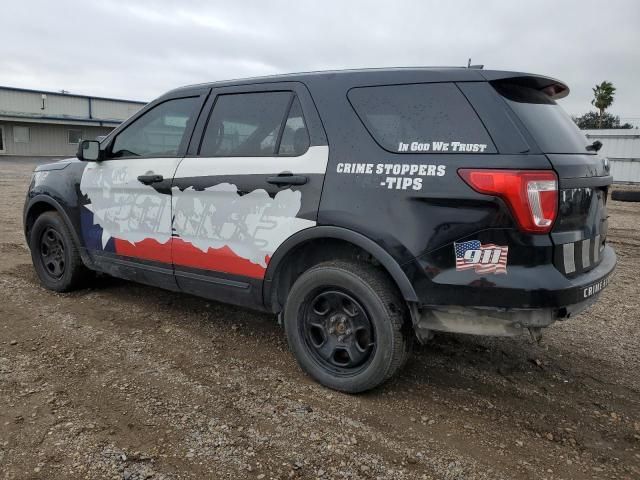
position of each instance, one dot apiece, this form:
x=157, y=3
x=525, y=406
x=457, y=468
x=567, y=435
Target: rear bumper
x=523, y=287
x=501, y=322
x=532, y=299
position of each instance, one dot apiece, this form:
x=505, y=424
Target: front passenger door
x=126, y=213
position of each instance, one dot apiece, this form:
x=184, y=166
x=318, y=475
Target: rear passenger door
x=252, y=178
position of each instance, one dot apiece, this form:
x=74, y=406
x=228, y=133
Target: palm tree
x=603, y=98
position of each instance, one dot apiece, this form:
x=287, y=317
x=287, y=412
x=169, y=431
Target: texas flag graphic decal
x=487, y=258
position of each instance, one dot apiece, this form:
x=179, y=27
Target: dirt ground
x=122, y=381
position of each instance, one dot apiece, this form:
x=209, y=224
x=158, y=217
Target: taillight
x=532, y=195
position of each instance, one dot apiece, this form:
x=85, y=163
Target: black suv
x=365, y=208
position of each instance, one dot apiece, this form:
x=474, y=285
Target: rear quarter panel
x=406, y=222
x=418, y=226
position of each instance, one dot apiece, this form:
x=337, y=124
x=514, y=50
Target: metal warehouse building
x=622, y=148
x=38, y=123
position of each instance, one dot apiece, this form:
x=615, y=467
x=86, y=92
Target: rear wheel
x=345, y=323
x=54, y=254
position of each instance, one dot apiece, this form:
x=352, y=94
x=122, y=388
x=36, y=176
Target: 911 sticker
x=483, y=258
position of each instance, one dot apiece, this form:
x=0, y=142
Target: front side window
x=158, y=132
x=74, y=136
x=255, y=125
x=421, y=118
x=21, y=134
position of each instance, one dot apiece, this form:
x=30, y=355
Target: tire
x=55, y=255
x=626, y=195
x=345, y=324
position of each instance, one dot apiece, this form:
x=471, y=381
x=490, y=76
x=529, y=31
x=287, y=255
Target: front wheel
x=345, y=323
x=55, y=255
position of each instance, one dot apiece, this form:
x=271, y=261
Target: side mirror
x=89, y=151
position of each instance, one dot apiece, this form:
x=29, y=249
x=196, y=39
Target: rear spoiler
x=555, y=89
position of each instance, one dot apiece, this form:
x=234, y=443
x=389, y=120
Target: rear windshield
x=551, y=127
x=421, y=118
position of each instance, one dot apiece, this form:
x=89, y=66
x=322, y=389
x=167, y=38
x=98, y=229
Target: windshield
x=551, y=127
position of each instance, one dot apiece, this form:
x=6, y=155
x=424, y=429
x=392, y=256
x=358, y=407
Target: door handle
x=149, y=179
x=287, y=179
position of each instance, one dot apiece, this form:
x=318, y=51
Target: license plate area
x=596, y=287
x=582, y=215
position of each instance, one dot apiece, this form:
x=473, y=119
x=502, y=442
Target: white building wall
x=106, y=109
x=625, y=170
x=622, y=148
x=46, y=139
x=28, y=103
x=49, y=116
x=31, y=103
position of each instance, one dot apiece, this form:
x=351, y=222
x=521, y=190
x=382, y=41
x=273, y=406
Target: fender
x=339, y=233
x=42, y=198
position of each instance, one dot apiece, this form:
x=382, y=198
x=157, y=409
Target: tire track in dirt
x=321, y=423
x=205, y=372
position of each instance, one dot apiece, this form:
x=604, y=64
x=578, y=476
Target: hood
x=59, y=165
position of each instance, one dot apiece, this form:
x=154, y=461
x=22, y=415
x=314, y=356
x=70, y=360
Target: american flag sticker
x=487, y=258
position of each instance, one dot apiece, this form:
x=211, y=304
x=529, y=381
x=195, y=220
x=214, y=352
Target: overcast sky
x=138, y=49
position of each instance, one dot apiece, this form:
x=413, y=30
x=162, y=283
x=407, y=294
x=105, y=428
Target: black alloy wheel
x=55, y=254
x=52, y=253
x=347, y=325
x=338, y=332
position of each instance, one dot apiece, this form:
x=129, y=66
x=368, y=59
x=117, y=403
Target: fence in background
x=622, y=148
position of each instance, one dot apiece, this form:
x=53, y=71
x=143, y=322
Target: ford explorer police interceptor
x=365, y=208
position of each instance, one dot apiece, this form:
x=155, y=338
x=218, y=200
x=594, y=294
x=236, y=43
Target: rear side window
x=295, y=137
x=255, y=125
x=421, y=118
x=549, y=125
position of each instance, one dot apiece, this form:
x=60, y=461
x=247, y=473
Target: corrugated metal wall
x=45, y=139
x=625, y=170
x=27, y=103
x=49, y=116
x=106, y=109
x=622, y=148
x=31, y=103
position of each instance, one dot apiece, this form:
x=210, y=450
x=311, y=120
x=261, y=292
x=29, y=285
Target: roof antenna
x=479, y=67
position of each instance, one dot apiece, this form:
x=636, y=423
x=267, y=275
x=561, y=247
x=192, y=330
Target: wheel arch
x=334, y=235
x=44, y=203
